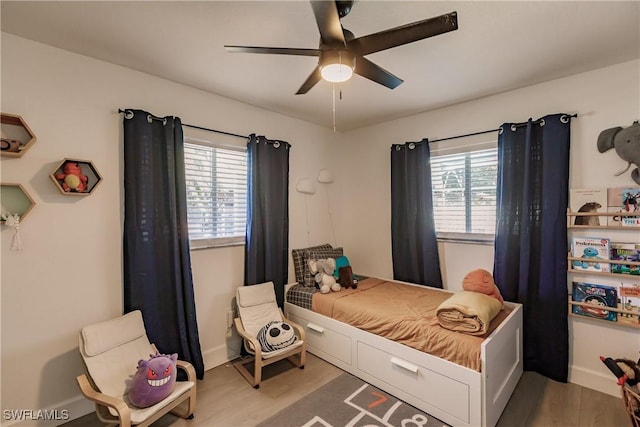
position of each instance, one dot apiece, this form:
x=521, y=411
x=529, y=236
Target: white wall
x=603, y=98
x=69, y=274
x=70, y=271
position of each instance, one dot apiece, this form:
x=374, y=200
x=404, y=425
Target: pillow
x=153, y=381
x=308, y=278
x=276, y=335
x=299, y=264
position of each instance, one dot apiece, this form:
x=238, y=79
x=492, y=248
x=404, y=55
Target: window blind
x=464, y=191
x=216, y=193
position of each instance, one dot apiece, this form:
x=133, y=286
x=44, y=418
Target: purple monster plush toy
x=154, y=380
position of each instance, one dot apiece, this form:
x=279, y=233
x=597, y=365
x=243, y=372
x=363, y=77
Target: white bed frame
x=453, y=393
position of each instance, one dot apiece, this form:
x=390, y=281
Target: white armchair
x=256, y=307
x=111, y=351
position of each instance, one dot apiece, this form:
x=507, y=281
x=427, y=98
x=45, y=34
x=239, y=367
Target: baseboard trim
x=594, y=380
x=221, y=354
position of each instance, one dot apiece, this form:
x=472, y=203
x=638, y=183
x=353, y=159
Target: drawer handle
x=315, y=328
x=404, y=365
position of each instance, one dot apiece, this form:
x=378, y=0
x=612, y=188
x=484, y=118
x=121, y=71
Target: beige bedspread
x=405, y=314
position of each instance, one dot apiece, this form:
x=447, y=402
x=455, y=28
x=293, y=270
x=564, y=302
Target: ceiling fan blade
x=375, y=73
x=404, y=34
x=311, y=81
x=328, y=21
x=273, y=50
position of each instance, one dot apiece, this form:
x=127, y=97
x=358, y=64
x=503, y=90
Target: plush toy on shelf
x=72, y=179
x=323, y=271
x=481, y=281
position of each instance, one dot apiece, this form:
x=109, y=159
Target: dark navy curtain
x=413, y=234
x=530, y=265
x=157, y=264
x=267, y=237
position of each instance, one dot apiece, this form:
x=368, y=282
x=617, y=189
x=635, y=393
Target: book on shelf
x=627, y=199
x=596, y=298
x=588, y=200
x=629, y=300
x=592, y=251
x=625, y=252
x=614, y=204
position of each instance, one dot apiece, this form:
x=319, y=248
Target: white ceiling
x=499, y=46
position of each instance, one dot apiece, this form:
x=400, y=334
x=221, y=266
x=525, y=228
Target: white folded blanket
x=468, y=312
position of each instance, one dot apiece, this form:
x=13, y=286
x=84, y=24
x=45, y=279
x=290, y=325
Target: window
x=216, y=193
x=464, y=193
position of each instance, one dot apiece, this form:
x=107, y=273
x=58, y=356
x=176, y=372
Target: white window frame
x=213, y=242
x=464, y=145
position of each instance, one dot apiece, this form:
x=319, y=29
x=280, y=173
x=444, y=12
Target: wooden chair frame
x=296, y=355
x=183, y=405
x=631, y=401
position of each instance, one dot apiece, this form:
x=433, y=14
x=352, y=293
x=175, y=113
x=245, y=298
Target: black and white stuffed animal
x=276, y=335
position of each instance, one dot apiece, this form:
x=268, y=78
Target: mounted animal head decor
x=626, y=141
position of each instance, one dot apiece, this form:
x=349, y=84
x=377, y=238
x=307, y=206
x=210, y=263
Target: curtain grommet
x=276, y=144
x=513, y=127
x=149, y=118
x=128, y=114
x=564, y=119
x=541, y=122
x=411, y=145
x=500, y=130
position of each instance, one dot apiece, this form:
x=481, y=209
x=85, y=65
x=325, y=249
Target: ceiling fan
x=341, y=54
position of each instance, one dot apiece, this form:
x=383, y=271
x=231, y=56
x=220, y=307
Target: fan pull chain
x=334, y=107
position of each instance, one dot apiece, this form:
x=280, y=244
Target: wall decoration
x=75, y=177
x=15, y=136
x=627, y=145
x=14, y=200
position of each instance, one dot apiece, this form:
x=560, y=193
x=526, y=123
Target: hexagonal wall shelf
x=14, y=199
x=75, y=177
x=16, y=135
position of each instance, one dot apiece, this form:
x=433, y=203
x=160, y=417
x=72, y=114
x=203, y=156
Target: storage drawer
x=325, y=339
x=449, y=395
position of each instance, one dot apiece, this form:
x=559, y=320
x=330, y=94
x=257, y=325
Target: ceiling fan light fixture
x=336, y=66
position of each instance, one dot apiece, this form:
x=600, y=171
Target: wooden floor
x=225, y=399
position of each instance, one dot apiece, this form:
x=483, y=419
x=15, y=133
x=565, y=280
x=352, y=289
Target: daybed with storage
x=458, y=395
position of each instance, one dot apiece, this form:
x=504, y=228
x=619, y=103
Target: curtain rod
x=517, y=125
x=120, y=110
x=216, y=131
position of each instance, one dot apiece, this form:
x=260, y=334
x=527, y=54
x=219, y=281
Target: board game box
x=625, y=252
x=597, y=299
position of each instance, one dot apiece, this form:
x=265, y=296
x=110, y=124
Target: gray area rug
x=349, y=401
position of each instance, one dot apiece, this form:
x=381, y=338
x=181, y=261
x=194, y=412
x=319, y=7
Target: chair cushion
x=111, y=351
x=139, y=415
x=257, y=306
x=104, y=336
x=253, y=295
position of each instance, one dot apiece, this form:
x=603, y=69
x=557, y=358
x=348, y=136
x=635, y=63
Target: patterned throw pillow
x=307, y=277
x=299, y=262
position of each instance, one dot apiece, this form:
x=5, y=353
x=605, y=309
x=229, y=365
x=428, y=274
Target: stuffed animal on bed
x=481, y=281
x=323, y=271
x=154, y=380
